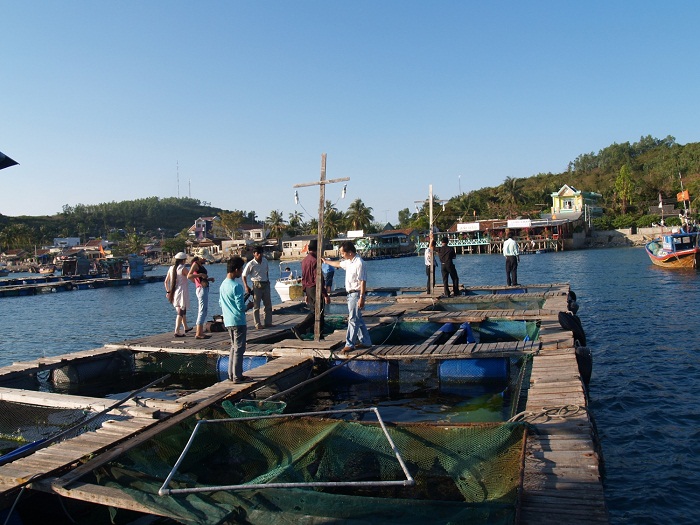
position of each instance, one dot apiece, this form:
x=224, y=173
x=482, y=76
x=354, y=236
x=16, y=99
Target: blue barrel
x=474, y=370
x=249, y=362
x=367, y=370
x=468, y=331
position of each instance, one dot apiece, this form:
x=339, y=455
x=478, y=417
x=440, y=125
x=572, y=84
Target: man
x=232, y=302
x=512, y=255
x=308, y=282
x=447, y=256
x=430, y=265
x=356, y=288
x=258, y=271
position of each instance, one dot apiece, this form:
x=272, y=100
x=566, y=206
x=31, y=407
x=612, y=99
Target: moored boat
x=288, y=286
x=675, y=250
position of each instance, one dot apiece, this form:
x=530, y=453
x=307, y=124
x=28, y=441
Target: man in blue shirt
x=233, y=306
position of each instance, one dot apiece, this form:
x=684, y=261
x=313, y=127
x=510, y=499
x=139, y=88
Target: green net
x=462, y=472
x=251, y=407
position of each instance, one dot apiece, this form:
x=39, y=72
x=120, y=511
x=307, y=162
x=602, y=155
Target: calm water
x=639, y=322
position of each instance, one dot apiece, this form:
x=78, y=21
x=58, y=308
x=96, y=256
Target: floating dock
x=561, y=464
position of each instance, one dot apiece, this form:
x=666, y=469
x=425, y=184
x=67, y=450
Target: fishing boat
x=676, y=250
x=47, y=269
x=288, y=286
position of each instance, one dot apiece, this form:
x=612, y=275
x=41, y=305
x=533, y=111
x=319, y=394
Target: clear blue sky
x=109, y=100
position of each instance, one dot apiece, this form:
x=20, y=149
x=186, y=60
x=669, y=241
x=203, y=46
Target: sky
x=234, y=102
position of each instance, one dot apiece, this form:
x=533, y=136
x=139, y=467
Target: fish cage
x=467, y=304
x=491, y=330
x=286, y=468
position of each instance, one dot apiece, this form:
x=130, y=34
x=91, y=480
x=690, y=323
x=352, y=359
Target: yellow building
x=569, y=200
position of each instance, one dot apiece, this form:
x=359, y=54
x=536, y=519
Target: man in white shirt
x=356, y=288
x=512, y=255
x=258, y=271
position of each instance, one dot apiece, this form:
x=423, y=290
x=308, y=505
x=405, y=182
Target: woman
x=198, y=275
x=176, y=286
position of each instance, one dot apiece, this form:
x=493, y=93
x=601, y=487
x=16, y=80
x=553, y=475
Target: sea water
x=639, y=322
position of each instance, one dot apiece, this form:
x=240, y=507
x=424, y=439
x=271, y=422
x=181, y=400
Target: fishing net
x=22, y=424
x=461, y=472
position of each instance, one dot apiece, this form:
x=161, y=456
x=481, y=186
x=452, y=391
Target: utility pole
x=430, y=235
x=321, y=204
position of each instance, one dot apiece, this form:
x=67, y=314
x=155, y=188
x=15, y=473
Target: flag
x=661, y=201
x=5, y=161
x=683, y=196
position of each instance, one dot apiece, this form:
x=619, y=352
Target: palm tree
x=358, y=215
x=510, y=195
x=333, y=221
x=276, y=223
x=295, y=225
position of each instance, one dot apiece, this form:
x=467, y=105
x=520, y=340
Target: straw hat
x=181, y=255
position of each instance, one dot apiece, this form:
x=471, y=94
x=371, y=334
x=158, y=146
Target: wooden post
x=319, y=238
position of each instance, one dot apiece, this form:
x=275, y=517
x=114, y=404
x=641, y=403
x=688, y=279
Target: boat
x=4, y=272
x=47, y=269
x=676, y=250
x=288, y=286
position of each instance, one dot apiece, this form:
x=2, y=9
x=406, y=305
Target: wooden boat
x=47, y=269
x=288, y=286
x=675, y=250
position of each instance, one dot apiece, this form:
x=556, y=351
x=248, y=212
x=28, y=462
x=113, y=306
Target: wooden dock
x=561, y=482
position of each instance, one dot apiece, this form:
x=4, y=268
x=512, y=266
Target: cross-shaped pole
x=430, y=235
x=321, y=205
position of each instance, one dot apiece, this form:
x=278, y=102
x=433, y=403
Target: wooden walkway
x=561, y=470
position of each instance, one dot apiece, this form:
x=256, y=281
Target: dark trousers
x=451, y=271
x=512, y=270
x=307, y=324
x=427, y=272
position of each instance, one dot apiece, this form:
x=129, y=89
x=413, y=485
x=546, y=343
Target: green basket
x=252, y=408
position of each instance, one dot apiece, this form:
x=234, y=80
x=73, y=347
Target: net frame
x=408, y=482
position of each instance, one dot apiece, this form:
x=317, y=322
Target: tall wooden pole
x=431, y=273
x=319, y=239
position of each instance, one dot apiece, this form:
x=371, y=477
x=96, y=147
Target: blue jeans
x=202, y=303
x=235, y=359
x=357, y=329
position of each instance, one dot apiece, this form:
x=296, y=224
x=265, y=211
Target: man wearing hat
x=259, y=273
x=308, y=282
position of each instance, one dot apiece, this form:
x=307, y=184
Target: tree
x=624, y=186
x=510, y=194
x=275, y=221
x=132, y=243
x=333, y=221
x=404, y=218
x=231, y=222
x=358, y=215
x=295, y=224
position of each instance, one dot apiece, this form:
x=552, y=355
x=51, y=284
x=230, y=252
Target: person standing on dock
x=308, y=282
x=328, y=272
x=178, y=292
x=233, y=307
x=198, y=275
x=258, y=271
x=356, y=288
x=447, y=255
x=430, y=264
x=512, y=255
